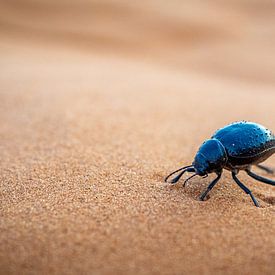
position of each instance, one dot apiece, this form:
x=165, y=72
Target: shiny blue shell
x=246, y=142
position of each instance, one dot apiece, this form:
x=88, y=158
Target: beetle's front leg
x=210, y=186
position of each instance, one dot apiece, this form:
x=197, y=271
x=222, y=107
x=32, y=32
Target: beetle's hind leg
x=245, y=189
x=210, y=186
x=259, y=178
x=266, y=169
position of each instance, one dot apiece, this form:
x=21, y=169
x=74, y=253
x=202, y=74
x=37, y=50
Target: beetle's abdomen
x=246, y=140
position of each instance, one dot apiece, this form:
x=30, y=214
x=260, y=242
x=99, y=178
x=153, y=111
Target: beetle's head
x=210, y=157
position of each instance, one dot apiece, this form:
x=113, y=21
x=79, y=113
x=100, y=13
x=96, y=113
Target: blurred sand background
x=99, y=100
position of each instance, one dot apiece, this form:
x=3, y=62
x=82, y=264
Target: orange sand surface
x=99, y=101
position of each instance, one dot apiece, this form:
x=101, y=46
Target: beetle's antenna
x=188, y=168
x=188, y=179
x=176, y=172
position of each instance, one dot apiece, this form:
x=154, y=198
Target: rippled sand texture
x=99, y=101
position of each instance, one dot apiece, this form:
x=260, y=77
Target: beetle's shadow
x=196, y=186
x=269, y=199
x=266, y=198
x=193, y=188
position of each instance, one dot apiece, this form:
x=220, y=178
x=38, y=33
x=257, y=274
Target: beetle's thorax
x=210, y=157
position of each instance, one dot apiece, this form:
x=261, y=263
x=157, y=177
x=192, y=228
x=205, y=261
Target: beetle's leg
x=267, y=169
x=245, y=189
x=210, y=186
x=259, y=178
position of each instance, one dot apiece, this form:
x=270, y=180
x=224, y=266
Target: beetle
x=235, y=147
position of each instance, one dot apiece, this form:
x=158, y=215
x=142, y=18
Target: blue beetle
x=234, y=147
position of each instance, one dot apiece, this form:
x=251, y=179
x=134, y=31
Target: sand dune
x=214, y=36
x=99, y=100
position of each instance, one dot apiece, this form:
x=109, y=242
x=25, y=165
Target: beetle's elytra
x=234, y=147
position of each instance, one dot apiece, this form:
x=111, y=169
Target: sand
x=96, y=110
